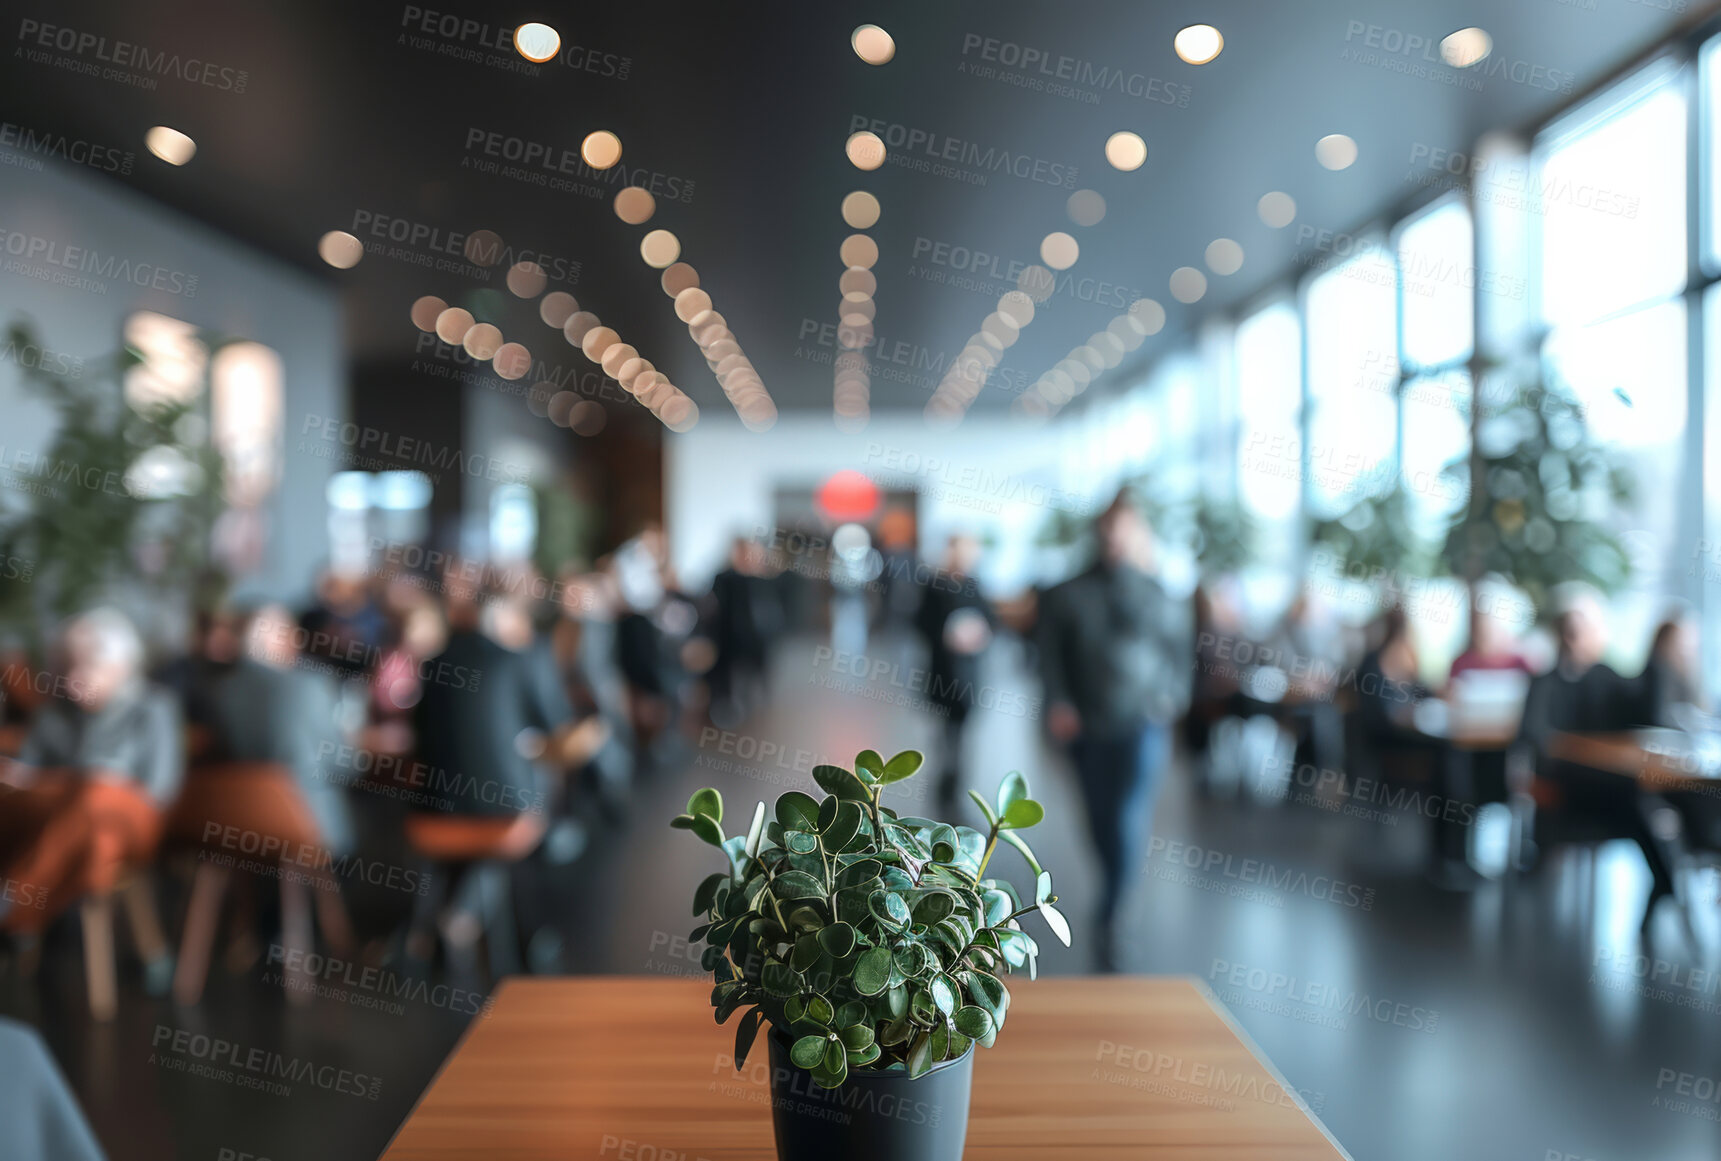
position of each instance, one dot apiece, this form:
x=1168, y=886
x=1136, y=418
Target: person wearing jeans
x=1114, y=650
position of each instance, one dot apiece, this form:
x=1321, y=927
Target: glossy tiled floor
x=1511, y=1022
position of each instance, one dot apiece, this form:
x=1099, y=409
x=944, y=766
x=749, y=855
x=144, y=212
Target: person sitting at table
x=1669, y=678
x=85, y=799
x=1492, y=648
x=263, y=709
x=1582, y=694
x=483, y=730
x=1389, y=686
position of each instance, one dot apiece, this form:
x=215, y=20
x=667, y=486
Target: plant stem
x=991, y=844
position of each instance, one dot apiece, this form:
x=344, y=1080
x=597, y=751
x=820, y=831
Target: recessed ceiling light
x=860, y=210
x=170, y=145
x=1466, y=47
x=526, y=279
x=537, y=42
x=1335, y=151
x=659, y=248
x=873, y=44
x=425, y=311
x=865, y=150
x=678, y=278
x=1126, y=150
x=1198, y=44
x=859, y=250
x=1277, y=209
x=1059, y=251
x=1188, y=284
x=1148, y=314
x=340, y=249
x=1086, y=207
x=1224, y=256
x=635, y=205
x=601, y=149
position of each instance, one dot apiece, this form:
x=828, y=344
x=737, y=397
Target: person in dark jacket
x=1114, y=654
x=262, y=709
x=746, y=615
x=1581, y=694
x=957, y=624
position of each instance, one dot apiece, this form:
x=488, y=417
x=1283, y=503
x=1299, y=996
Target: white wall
x=997, y=475
x=238, y=292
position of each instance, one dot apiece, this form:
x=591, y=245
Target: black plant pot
x=872, y=1116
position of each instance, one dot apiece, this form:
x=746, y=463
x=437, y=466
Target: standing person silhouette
x=1114, y=655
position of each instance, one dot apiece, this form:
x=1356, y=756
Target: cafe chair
x=480, y=853
x=231, y=813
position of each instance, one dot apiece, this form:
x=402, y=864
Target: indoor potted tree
x=874, y=945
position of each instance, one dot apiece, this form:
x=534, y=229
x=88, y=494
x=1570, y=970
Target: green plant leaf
x=805, y=954
x=828, y=812
x=745, y=1033
x=985, y=809
x=944, y=843
x=1024, y=813
x=865, y=1056
x=974, y=1022
x=808, y=1052
x=856, y=1037
x=1020, y=844
x=933, y=907
x=872, y=971
x=903, y=765
x=756, y=832
x=851, y=1013
x=707, y=802
x=797, y=811
x=801, y=842
x=843, y=828
x=889, y=909
x=1056, y=921
x=780, y=979
x=706, y=893
x=1011, y=790
x=706, y=828
x=836, y=1058
x=842, y=783
x=797, y=885
x=920, y=1056
x=869, y=765
x=819, y=1011
x=838, y=939
x=943, y=995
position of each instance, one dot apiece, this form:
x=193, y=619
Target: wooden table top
x=625, y=1067
x=1658, y=759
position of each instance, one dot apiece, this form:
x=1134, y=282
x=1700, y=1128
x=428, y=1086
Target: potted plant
x=875, y=946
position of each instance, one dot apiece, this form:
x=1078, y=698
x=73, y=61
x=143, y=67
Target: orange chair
x=229, y=813
x=479, y=846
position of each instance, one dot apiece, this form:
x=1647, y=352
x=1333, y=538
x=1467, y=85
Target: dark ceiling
x=352, y=114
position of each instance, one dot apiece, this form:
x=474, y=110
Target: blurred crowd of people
x=459, y=716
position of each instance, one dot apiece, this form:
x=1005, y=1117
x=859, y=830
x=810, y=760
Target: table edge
x=1196, y=983
x=1230, y=1021
x=430, y=1085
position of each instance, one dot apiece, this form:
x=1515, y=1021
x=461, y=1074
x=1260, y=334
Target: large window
x=1352, y=320
x=1611, y=194
x=1614, y=256
x=1269, y=365
x=1438, y=290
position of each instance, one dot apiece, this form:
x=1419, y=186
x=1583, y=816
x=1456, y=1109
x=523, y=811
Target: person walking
x=1114, y=655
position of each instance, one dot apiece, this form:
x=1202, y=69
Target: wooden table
x=1658, y=759
x=636, y=1069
